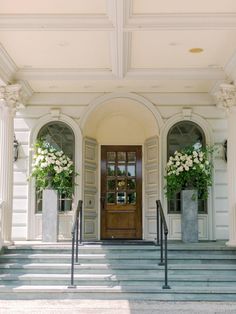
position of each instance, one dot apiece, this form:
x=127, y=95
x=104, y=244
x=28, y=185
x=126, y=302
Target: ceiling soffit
x=120, y=20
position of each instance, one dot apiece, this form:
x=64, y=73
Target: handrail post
x=161, y=243
x=72, y=285
x=77, y=240
x=157, y=224
x=81, y=223
x=162, y=229
x=166, y=286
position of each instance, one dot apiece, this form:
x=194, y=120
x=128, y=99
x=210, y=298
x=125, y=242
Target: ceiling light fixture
x=196, y=50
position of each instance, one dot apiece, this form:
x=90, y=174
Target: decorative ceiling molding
x=119, y=41
x=159, y=99
x=49, y=22
x=181, y=21
x=7, y=66
x=64, y=74
x=230, y=68
x=26, y=91
x=134, y=74
x=177, y=74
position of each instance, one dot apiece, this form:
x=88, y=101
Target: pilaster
x=9, y=102
x=226, y=99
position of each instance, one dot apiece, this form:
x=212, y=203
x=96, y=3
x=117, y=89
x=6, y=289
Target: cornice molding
x=55, y=21
x=132, y=22
x=104, y=74
x=177, y=74
x=26, y=91
x=83, y=99
x=64, y=74
x=181, y=21
x=230, y=68
x=7, y=66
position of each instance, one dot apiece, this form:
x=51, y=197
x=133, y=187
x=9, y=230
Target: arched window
x=184, y=134
x=60, y=136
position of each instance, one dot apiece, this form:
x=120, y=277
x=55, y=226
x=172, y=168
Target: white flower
x=196, y=160
x=195, y=153
x=180, y=169
x=186, y=168
x=207, y=162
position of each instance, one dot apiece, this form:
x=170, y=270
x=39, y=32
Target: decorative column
x=9, y=101
x=226, y=98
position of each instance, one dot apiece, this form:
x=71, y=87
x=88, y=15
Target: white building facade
x=116, y=109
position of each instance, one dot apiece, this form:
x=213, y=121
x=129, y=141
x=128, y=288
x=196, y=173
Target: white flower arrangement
x=52, y=168
x=189, y=168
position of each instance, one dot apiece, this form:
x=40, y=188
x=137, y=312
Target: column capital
x=10, y=97
x=226, y=97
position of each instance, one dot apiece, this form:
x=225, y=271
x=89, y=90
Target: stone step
x=176, y=293
x=119, y=258
x=98, y=249
x=100, y=268
x=128, y=279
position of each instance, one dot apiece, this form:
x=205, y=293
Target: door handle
x=102, y=199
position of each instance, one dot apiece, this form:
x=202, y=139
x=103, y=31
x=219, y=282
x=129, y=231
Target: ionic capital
x=226, y=97
x=10, y=98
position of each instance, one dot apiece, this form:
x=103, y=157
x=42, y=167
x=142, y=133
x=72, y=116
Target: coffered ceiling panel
x=171, y=6
x=53, y=6
x=118, y=45
x=62, y=49
x=170, y=49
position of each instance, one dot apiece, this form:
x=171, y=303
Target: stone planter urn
x=50, y=215
x=189, y=216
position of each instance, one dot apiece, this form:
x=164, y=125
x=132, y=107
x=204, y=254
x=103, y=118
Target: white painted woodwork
x=9, y=101
x=90, y=205
x=231, y=164
x=174, y=223
x=151, y=186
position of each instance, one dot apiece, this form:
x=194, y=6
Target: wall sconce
x=16, y=149
x=225, y=150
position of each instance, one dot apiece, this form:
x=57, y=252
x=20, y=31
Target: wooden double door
x=121, y=192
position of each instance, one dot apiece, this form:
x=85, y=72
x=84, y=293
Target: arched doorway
x=115, y=130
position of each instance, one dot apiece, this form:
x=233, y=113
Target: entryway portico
x=117, y=119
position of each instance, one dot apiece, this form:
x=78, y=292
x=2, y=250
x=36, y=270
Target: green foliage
x=189, y=168
x=51, y=168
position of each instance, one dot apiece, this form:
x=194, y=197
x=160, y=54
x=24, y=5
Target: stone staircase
x=202, y=271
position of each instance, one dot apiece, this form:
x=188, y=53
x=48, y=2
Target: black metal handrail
x=162, y=228
x=76, y=233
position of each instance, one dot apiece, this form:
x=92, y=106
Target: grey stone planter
x=189, y=216
x=50, y=216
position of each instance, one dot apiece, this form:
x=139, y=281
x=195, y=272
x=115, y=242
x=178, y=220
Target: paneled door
x=121, y=192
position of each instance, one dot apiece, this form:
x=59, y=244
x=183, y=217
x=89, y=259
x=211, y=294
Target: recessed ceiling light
x=63, y=43
x=120, y=86
x=87, y=86
x=196, y=50
x=155, y=86
x=53, y=86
